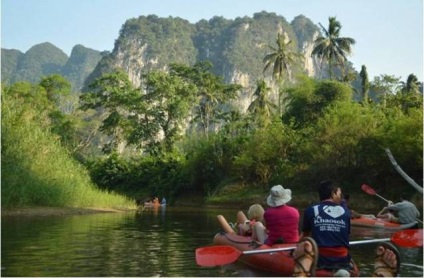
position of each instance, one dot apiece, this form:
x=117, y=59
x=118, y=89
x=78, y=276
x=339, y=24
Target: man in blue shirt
x=328, y=223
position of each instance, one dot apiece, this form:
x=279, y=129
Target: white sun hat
x=278, y=196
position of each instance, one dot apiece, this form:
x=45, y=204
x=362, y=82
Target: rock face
x=310, y=65
x=80, y=64
x=235, y=47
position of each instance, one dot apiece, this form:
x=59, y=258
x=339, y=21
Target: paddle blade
x=216, y=255
x=408, y=238
x=368, y=189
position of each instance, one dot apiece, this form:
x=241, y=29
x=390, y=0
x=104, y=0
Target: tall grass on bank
x=37, y=171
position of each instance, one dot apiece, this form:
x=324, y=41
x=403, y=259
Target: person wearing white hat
x=281, y=220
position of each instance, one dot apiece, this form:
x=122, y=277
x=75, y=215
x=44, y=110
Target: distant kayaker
x=407, y=212
x=281, y=221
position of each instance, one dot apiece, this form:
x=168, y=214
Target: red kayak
x=280, y=263
x=378, y=223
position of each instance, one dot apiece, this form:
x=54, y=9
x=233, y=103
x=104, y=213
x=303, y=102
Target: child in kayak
x=254, y=214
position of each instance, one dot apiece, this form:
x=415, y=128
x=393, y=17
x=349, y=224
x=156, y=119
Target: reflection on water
x=154, y=242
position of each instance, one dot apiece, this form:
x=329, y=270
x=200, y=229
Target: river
x=146, y=243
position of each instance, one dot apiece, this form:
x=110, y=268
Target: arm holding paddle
x=387, y=215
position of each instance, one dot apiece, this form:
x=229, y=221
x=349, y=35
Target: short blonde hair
x=256, y=212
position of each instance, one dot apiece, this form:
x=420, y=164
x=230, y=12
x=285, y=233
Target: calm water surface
x=147, y=243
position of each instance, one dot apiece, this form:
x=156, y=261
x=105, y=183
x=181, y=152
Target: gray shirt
x=407, y=212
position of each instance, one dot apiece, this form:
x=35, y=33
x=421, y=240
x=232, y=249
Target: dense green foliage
x=322, y=134
x=36, y=169
x=325, y=134
x=180, y=132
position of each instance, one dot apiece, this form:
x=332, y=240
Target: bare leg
x=259, y=232
x=241, y=217
x=224, y=224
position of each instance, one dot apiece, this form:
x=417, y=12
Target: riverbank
x=233, y=196
x=55, y=211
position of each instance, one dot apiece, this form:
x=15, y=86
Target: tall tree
x=409, y=96
x=307, y=102
x=384, y=86
x=262, y=107
x=365, y=84
x=55, y=85
x=282, y=58
x=212, y=93
x=110, y=95
x=332, y=48
x=162, y=113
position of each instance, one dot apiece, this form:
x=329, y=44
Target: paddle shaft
x=381, y=197
x=252, y=252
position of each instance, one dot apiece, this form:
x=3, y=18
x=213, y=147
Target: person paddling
x=407, y=212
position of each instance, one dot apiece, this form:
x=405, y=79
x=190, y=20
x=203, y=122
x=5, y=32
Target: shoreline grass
x=38, y=171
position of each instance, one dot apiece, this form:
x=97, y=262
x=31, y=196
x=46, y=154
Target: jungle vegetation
x=178, y=133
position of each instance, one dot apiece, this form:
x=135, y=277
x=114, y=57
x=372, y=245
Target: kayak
x=280, y=263
x=378, y=223
x=153, y=205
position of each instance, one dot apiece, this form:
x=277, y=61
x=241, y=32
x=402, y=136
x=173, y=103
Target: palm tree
x=262, y=107
x=332, y=48
x=282, y=57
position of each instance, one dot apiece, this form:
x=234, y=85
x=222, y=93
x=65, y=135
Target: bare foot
x=305, y=257
x=387, y=263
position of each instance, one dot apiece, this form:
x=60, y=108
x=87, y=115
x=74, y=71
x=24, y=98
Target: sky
x=388, y=33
